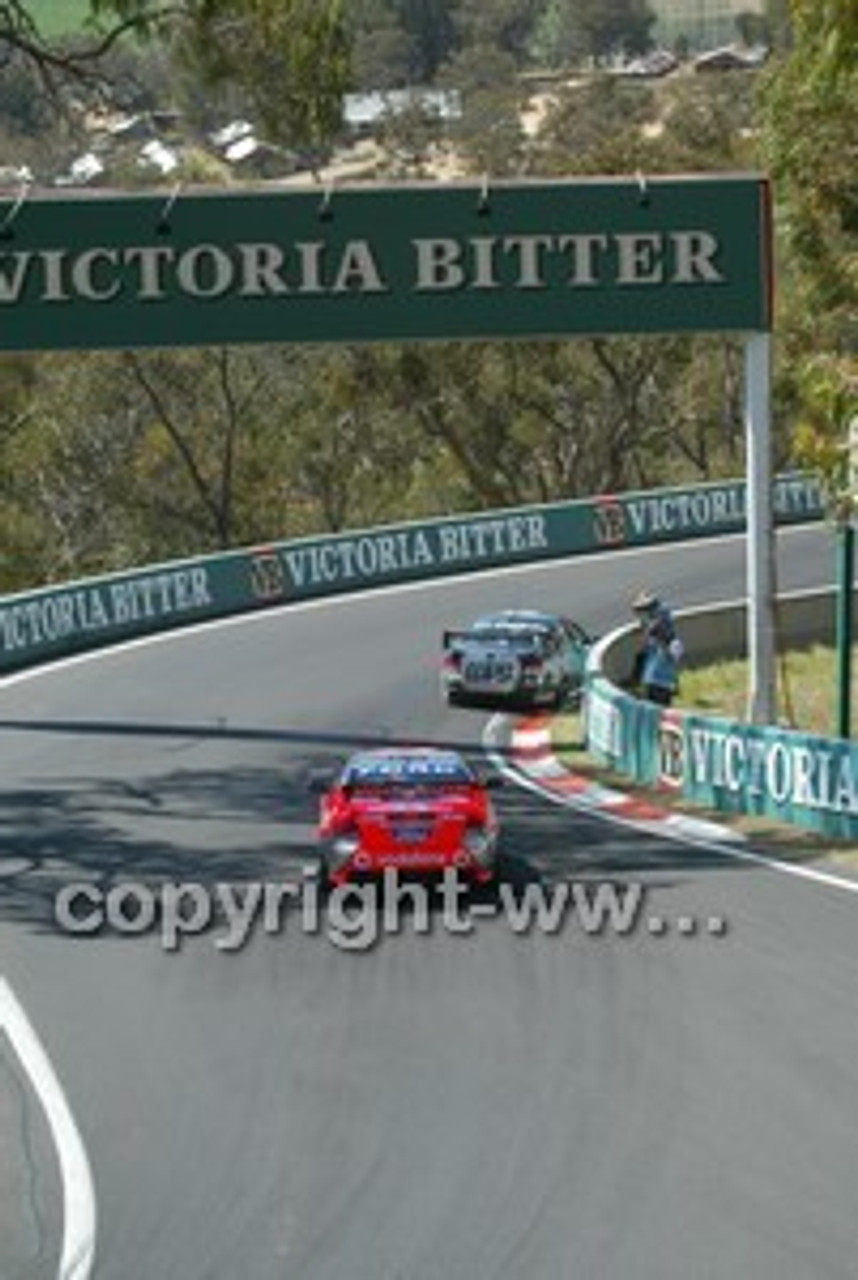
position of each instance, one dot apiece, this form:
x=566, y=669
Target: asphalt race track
x=491, y=1106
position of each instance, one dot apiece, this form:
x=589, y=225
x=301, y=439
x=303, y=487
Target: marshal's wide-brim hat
x=644, y=600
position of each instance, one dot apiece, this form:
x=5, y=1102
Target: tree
x=707, y=124
x=557, y=42
x=505, y=26
x=596, y=126
x=350, y=456
x=111, y=459
x=778, y=24
x=810, y=120
x=144, y=456
x=536, y=421
x=429, y=24
x=24, y=110
x=55, y=63
x=289, y=58
x=489, y=135
x=597, y=29
x=752, y=28
x=380, y=45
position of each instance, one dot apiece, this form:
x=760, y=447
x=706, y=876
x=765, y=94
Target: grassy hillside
x=58, y=17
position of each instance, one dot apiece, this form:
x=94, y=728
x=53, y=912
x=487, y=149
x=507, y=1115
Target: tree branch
x=20, y=33
x=182, y=447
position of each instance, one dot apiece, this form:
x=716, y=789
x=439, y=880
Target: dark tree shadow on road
x=242, y=821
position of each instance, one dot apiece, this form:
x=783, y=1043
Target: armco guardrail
x=803, y=779
x=55, y=621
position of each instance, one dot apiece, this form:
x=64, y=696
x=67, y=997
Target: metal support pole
x=845, y=577
x=761, y=540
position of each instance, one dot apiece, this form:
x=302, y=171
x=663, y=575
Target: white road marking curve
x=79, y=1214
x=79, y=1231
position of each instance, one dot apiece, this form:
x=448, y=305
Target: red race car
x=419, y=810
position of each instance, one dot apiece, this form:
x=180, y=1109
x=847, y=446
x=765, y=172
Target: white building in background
x=704, y=24
x=365, y=111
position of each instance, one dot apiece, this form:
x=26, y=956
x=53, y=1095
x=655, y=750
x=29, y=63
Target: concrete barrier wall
x=52, y=622
x=720, y=631
x=804, y=779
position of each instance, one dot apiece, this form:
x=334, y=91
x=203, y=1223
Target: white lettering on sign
x=150, y=273
x=528, y=252
x=205, y=272
x=639, y=260
x=693, y=257
x=438, y=264
x=391, y=553
x=702, y=509
x=788, y=772
x=444, y=264
x=100, y=274
x=86, y=277
x=55, y=616
x=686, y=512
x=12, y=281
x=261, y=267
x=604, y=725
x=358, y=272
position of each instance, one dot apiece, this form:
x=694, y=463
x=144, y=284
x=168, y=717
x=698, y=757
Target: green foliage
x=503, y=27
x=569, y=30
x=707, y=124
x=778, y=24
x=752, y=28
x=23, y=109
x=597, y=126
x=489, y=136
x=807, y=680
x=556, y=41
x=59, y=17
x=109, y=460
x=116, y=459
x=810, y=126
x=381, y=49
x=397, y=43
x=288, y=58
x=429, y=24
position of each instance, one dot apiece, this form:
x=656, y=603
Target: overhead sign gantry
x=367, y=263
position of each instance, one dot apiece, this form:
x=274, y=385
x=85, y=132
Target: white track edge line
x=79, y=1213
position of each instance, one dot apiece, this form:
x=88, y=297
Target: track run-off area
x=493, y=1104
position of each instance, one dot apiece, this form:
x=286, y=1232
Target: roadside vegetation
x=59, y=17
x=807, y=689
x=112, y=459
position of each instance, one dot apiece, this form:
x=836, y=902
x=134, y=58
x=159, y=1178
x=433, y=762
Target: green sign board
x=799, y=778
x=726, y=765
x=367, y=263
